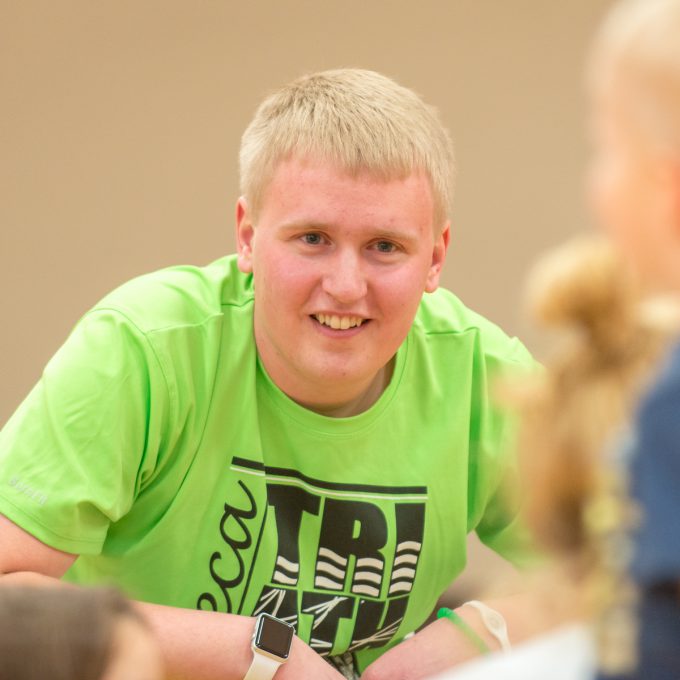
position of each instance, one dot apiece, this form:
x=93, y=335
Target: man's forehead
x=320, y=192
x=304, y=164
x=322, y=181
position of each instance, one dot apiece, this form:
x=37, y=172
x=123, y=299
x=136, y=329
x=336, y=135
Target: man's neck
x=360, y=403
x=335, y=403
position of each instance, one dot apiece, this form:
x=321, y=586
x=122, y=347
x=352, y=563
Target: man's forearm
x=199, y=645
x=526, y=615
x=443, y=644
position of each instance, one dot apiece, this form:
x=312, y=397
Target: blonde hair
x=638, y=51
x=611, y=339
x=574, y=417
x=360, y=121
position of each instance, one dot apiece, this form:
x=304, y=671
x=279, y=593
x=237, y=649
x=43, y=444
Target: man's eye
x=385, y=246
x=312, y=239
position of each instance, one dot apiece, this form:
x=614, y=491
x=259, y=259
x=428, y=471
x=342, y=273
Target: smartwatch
x=271, y=644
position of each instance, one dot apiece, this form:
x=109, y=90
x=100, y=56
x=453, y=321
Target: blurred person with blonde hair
x=574, y=442
x=634, y=186
x=74, y=634
x=295, y=438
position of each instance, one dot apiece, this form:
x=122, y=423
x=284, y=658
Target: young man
x=295, y=430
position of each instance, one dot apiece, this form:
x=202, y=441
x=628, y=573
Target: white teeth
x=339, y=323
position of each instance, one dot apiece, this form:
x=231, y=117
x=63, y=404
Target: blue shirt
x=655, y=480
x=655, y=486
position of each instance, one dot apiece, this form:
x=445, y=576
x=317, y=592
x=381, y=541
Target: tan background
x=121, y=123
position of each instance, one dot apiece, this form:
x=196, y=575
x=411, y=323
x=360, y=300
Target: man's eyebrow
x=302, y=225
x=379, y=233
x=395, y=235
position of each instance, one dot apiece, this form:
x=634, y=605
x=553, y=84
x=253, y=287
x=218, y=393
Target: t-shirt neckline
x=328, y=424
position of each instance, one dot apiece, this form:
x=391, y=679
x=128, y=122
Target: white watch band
x=262, y=667
x=494, y=623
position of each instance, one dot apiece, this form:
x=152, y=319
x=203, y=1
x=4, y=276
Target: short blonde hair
x=638, y=48
x=358, y=120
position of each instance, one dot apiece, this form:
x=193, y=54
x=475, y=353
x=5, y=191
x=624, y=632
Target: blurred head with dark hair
x=74, y=634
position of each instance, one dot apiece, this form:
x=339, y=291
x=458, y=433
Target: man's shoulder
x=182, y=295
x=444, y=315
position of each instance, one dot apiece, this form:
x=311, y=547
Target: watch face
x=273, y=636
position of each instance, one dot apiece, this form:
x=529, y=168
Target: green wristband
x=446, y=613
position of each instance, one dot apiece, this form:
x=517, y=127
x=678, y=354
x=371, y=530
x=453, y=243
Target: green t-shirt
x=156, y=447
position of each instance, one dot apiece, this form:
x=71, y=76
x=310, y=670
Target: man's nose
x=345, y=279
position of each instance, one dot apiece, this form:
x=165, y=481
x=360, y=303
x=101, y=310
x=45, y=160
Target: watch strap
x=262, y=668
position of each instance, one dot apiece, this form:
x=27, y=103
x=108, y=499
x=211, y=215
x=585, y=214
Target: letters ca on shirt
x=338, y=561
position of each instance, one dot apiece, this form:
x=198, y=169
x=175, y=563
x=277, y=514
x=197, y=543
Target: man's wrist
x=494, y=622
x=465, y=628
x=488, y=623
x=484, y=628
x=271, y=644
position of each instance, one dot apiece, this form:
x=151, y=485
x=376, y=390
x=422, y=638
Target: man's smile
x=339, y=322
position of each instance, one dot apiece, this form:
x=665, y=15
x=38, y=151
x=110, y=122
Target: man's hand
x=438, y=646
x=202, y=645
x=306, y=664
x=442, y=644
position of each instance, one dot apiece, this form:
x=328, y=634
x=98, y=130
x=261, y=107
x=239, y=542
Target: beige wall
x=121, y=122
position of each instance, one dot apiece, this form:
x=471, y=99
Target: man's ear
x=245, y=233
x=441, y=245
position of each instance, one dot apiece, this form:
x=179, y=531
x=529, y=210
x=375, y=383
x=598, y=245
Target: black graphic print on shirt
x=338, y=561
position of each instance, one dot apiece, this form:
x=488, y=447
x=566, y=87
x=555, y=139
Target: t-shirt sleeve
x=79, y=448
x=501, y=526
x=495, y=491
x=656, y=481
